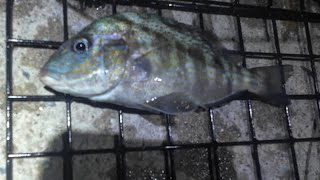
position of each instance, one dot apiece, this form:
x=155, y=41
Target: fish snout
x=47, y=78
x=43, y=72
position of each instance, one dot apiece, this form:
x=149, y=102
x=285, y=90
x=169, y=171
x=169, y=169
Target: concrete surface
x=39, y=126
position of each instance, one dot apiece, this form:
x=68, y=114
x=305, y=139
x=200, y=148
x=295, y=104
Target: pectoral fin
x=173, y=103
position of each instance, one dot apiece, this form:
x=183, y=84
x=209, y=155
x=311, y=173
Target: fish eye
x=80, y=46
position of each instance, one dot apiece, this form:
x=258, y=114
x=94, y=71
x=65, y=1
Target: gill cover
x=113, y=51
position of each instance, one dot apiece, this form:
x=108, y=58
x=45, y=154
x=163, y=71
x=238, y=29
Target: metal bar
x=210, y=164
x=36, y=98
x=270, y=3
x=33, y=155
x=249, y=11
x=114, y=7
x=159, y=11
x=9, y=9
x=167, y=164
x=65, y=19
x=34, y=43
x=66, y=154
x=167, y=147
x=121, y=150
x=67, y=148
x=170, y=171
x=214, y=144
x=62, y=98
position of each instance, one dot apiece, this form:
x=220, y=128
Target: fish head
x=87, y=65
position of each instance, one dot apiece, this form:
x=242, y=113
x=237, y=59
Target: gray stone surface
x=308, y=160
x=145, y=165
x=191, y=164
x=25, y=67
x=94, y=166
x=37, y=168
x=35, y=124
x=93, y=128
x=191, y=128
x=235, y=164
x=223, y=27
x=40, y=126
x=153, y=133
x=236, y=122
x=263, y=38
x=275, y=161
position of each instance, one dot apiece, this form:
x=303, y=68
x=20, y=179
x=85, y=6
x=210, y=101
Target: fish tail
x=270, y=87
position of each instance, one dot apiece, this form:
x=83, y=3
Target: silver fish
x=147, y=62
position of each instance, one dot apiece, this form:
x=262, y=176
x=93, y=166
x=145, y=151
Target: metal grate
x=234, y=9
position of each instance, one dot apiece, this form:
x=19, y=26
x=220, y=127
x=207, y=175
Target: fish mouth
x=54, y=82
x=58, y=83
x=46, y=79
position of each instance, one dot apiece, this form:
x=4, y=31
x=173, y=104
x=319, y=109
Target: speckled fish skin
x=146, y=62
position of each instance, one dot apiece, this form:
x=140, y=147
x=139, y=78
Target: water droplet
x=157, y=79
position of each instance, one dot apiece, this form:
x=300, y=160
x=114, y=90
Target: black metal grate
x=234, y=9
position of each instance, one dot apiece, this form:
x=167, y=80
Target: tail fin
x=270, y=86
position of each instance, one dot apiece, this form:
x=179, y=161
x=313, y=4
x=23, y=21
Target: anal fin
x=227, y=99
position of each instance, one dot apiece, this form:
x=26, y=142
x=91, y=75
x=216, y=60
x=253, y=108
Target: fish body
x=147, y=62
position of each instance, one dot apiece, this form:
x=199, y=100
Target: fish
x=147, y=62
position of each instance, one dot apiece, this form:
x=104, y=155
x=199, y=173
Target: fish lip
x=47, y=79
x=54, y=84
